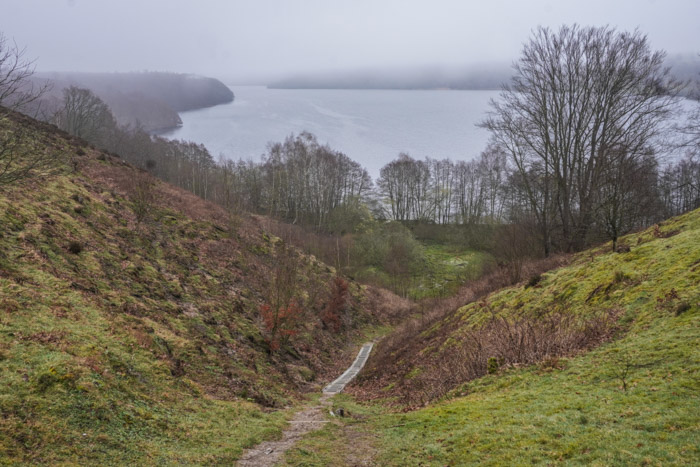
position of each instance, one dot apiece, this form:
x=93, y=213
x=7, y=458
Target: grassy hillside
x=446, y=268
x=130, y=327
x=632, y=400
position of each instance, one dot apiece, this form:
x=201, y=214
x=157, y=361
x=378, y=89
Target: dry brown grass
x=503, y=342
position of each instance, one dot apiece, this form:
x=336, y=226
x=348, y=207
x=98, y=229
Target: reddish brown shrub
x=331, y=314
x=281, y=323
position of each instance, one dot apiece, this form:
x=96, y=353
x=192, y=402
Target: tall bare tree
x=17, y=90
x=579, y=94
x=85, y=115
x=17, y=93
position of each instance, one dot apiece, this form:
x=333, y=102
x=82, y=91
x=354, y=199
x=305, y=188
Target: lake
x=370, y=126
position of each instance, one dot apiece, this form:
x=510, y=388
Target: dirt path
x=307, y=420
x=271, y=452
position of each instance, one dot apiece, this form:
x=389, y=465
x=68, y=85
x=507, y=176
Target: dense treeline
x=303, y=182
x=487, y=76
x=179, y=91
x=443, y=191
x=629, y=195
x=298, y=180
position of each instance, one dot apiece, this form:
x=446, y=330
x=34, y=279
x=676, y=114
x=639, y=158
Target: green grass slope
x=634, y=400
x=126, y=341
x=446, y=267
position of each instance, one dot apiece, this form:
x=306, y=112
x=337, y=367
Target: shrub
x=623, y=248
x=619, y=277
x=534, y=280
x=75, y=247
x=492, y=365
x=142, y=193
x=682, y=308
x=280, y=323
x=500, y=342
x=668, y=299
x=331, y=314
x=9, y=305
x=552, y=363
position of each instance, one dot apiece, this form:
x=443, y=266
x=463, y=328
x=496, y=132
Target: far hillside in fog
x=151, y=99
x=478, y=77
x=482, y=77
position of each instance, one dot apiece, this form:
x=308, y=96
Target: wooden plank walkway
x=339, y=384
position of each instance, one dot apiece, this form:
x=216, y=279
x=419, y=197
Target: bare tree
x=143, y=195
x=282, y=313
x=394, y=186
x=85, y=115
x=304, y=181
x=409, y=187
x=679, y=185
x=578, y=94
x=627, y=194
x=692, y=128
x=17, y=92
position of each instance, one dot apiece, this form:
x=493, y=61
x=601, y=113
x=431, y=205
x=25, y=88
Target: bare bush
x=437, y=316
x=18, y=159
x=282, y=314
x=332, y=314
x=508, y=342
x=142, y=192
x=515, y=244
x=405, y=335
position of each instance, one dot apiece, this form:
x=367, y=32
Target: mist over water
x=370, y=126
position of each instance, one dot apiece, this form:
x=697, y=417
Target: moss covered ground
x=446, y=268
x=127, y=340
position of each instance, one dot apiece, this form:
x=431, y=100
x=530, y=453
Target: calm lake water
x=370, y=126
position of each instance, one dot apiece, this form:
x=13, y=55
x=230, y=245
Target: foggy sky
x=265, y=39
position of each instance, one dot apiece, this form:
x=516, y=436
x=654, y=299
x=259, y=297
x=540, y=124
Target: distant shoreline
x=151, y=101
x=165, y=130
x=387, y=88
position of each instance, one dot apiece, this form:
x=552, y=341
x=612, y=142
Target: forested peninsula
x=149, y=100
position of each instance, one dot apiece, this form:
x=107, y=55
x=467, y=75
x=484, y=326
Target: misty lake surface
x=371, y=126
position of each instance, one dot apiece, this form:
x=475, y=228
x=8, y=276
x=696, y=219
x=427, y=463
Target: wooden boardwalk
x=339, y=384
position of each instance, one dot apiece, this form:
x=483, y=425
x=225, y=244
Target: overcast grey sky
x=227, y=38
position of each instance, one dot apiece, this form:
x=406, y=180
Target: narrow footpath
x=304, y=421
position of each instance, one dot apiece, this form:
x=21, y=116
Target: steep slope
x=130, y=317
x=633, y=399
